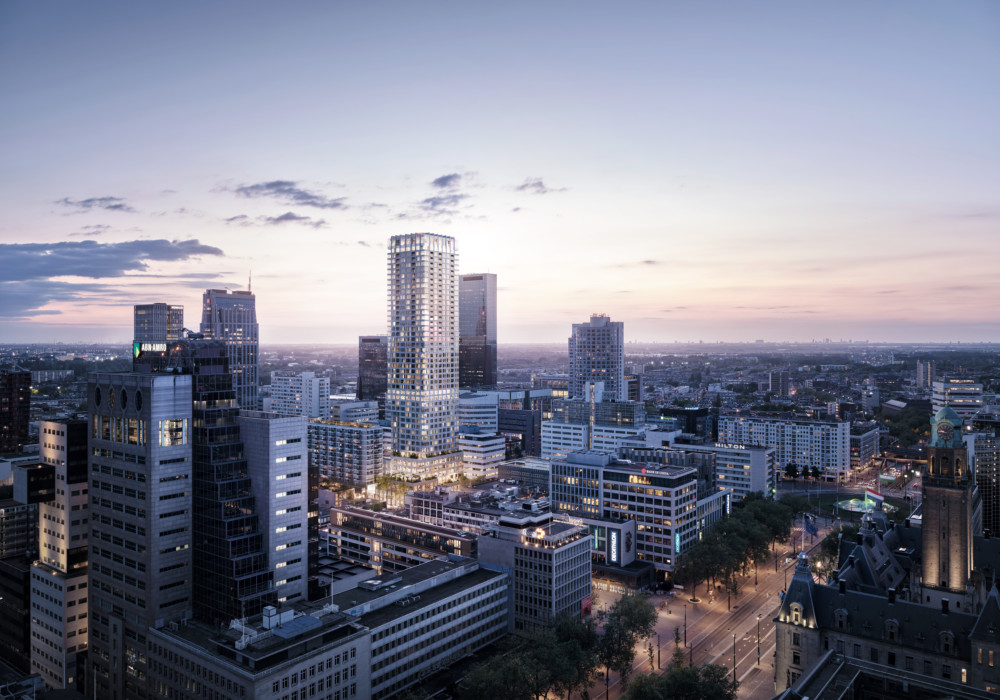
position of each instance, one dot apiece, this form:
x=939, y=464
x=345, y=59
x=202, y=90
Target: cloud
x=289, y=192
x=442, y=203
x=287, y=217
x=29, y=261
x=27, y=281
x=534, y=185
x=447, y=181
x=108, y=203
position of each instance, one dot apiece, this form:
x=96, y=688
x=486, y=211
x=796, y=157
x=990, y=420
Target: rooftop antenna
x=250, y=280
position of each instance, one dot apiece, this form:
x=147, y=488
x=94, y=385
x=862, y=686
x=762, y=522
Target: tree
x=816, y=472
x=711, y=682
x=677, y=660
x=500, y=678
x=792, y=470
x=577, y=641
x=630, y=619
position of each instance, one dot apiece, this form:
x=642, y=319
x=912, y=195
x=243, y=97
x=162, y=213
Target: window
x=891, y=658
x=796, y=639
x=796, y=658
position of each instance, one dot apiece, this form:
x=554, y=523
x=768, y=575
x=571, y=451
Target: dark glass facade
x=373, y=369
x=15, y=406
x=523, y=430
x=477, y=330
x=477, y=363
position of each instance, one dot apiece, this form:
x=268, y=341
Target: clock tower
x=948, y=499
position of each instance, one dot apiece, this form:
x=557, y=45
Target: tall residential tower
x=477, y=331
x=597, y=354
x=422, y=394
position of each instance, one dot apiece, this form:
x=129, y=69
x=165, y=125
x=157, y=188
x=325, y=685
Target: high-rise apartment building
x=422, y=394
x=232, y=318
x=278, y=466
x=597, y=354
x=300, y=394
x=157, y=323
x=59, y=618
x=778, y=383
x=925, y=373
x=824, y=445
x=15, y=407
x=964, y=396
x=477, y=326
x=373, y=369
x=348, y=452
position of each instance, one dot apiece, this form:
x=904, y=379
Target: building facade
x=477, y=331
x=964, y=396
x=422, y=393
x=597, y=354
x=300, y=394
x=232, y=318
x=825, y=445
x=347, y=452
x=864, y=446
x=157, y=323
x=482, y=454
x=15, y=409
x=278, y=466
x=373, y=369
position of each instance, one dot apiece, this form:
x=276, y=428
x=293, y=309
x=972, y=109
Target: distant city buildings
x=925, y=373
x=597, y=354
x=778, y=383
x=300, y=394
x=231, y=316
x=422, y=394
x=477, y=324
x=373, y=369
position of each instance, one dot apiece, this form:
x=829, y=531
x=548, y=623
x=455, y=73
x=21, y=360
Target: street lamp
x=734, y=657
x=685, y=624
x=657, y=650
x=758, y=639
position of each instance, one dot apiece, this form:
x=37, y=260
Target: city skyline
x=775, y=172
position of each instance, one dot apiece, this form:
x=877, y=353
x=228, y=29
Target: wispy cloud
x=289, y=217
x=289, y=192
x=535, y=185
x=447, y=181
x=108, y=203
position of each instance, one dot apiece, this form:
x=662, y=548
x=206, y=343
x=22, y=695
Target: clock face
x=945, y=431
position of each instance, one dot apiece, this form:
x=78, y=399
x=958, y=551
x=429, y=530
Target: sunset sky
x=699, y=170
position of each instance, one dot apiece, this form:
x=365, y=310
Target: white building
x=559, y=439
x=743, y=469
x=302, y=394
x=597, y=354
x=422, y=394
x=479, y=409
x=807, y=443
x=347, y=452
x=353, y=411
x=964, y=396
x=59, y=628
x=278, y=463
x=481, y=454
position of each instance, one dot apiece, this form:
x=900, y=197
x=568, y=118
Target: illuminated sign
x=730, y=446
x=613, y=546
x=597, y=534
x=677, y=543
x=138, y=348
x=539, y=532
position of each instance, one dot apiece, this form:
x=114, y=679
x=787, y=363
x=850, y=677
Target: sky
x=701, y=171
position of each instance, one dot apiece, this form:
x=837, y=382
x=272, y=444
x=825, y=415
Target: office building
x=481, y=454
x=778, y=383
x=373, y=369
x=549, y=561
x=348, y=411
x=347, y=452
x=140, y=566
x=427, y=618
x=478, y=409
x=531, y=472
x=864, y=445
x=15, y=409
x=59, y=617
x=422, y=395
x=597, y=354
x=825, y=445
x=300, y=394
x=522, y=430
x=984, y=444
x=15, y=606
x=964, y=396
x=477, y=331
x=232, y=318
x=577, y=425
x=390, y=543
x=157, y=323
x=670, y=516
x=742, y=469
x=18, y=528
x=925, y=373
x=278, y=466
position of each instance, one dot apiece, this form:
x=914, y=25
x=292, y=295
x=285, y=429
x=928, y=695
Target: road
x=710, y=627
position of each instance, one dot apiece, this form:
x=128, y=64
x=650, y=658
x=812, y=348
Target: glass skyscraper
x=157, y=323
x=232, y=318
x=477, y=325
x=422, y=394
x=373, y=369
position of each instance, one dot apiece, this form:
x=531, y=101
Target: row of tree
x=681, y=682
x=792, y=471
x=735, y=544
x=567, y=658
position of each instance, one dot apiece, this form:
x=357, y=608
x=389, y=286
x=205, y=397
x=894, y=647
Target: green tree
x=792, y=470
x=500, y=678
x=577, y=641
